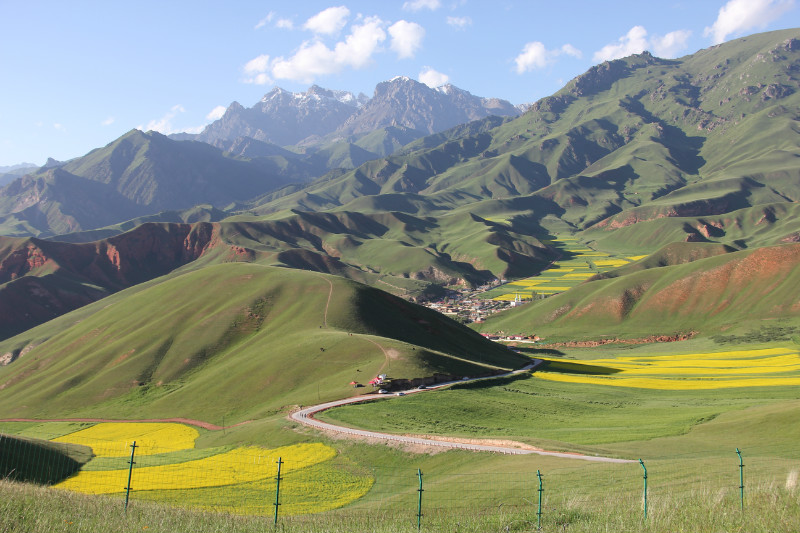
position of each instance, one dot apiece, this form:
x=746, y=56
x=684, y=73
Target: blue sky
x=77, y=75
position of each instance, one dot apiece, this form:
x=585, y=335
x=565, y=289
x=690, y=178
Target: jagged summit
x=284, y=118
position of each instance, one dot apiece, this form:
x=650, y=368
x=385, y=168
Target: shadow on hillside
x=564, y=367
x=533, y=352
x=41, y=462
x=491, y=383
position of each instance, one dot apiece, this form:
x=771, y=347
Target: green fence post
x=645, y=488
x=741, y=478
x=539, y=512
x=130, y=474
x=419, y=500
x=277, y=490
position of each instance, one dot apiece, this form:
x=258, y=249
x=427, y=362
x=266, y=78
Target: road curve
x=305, y=416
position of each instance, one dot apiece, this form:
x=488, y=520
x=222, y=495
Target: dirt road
x=305, y=416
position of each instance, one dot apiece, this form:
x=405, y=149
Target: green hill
x=237, y=339
x=632, y=140
x=678, y=290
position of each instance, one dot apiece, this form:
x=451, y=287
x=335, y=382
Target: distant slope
x=136, y=175
x=631, y=141
x=242, y=340
x=708, y=295
x=40, y=280
x=401, y=253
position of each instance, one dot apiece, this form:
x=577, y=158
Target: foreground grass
x=35, y=509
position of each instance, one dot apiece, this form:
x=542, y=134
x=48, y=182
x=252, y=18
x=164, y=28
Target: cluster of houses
x=468, y=309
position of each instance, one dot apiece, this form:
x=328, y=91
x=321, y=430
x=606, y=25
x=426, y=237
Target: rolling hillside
x=242, y=340
x=681, y=289
x=631, y=156
x=136, y=175
x=634, y=140
x=401, y=253
x=40, y=280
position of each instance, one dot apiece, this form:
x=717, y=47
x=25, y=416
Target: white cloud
x=459, y=22
x=406, y=38
x=266, y=20
x=216, y=113
x=432, y=78
x=535, y=55
x=671, y=44
x=256, y=70
x=164, y=124
x=633, y=42
x=357, y=49
x=107, y=122
x=416, y=5
x=316, y=59
x=59, y=126
x=329, y=21
x=739, y=16
x=257, y=64
x=636, y=41
x=284, y=24
x=570, y=50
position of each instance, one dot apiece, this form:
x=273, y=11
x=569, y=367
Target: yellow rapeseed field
x=743, y=368
x=315, y=489
x=234, y=481
x=242, y=465
x=565, y=274
x=114, y=439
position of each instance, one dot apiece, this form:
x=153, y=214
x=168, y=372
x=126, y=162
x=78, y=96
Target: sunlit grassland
x=769, y=508
x=584, y=414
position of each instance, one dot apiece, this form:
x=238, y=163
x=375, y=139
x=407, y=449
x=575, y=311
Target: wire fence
x=311, y=479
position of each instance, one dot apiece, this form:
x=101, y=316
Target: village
x=466, y=305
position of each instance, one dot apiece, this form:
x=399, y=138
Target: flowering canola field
x=563, y=274
x=743, y=368
x=230, y=480
x=114, y=439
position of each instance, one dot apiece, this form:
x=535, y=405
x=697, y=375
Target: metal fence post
x=130, y=474
x=419, y=501
x=741, y=478
x=645, y=487
x=278, y=490
x=539, y=512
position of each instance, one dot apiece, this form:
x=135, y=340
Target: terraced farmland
x=578, y=264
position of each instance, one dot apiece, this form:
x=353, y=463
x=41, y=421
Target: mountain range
x=631, y=156
x=320, y=116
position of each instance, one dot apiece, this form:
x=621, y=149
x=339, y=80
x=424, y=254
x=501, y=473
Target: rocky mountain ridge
x=321, y=115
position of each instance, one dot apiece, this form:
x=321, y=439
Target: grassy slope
x=632, y=140
x=594, y=419
x=241, y=340
x=706, y=295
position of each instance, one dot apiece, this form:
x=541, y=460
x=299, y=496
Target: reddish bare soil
x=44, y=279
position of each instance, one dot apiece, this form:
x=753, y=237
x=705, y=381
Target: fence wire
x=314, y=480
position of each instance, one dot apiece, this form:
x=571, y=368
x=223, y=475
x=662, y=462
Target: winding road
x=305, y=416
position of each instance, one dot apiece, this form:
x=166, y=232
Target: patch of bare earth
x=503, y=443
